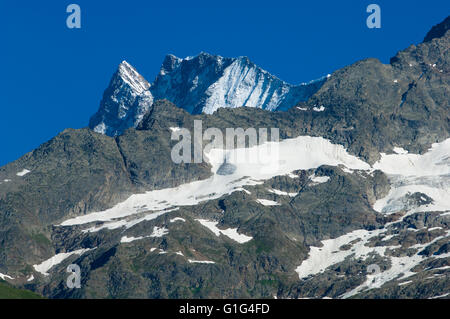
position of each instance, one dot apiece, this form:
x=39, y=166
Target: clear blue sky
x=53, y=77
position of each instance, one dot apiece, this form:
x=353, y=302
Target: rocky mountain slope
x=361, y=182
x=200, y=84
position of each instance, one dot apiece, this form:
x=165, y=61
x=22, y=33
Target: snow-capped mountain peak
x=129, y=75
x=169, y=64
x=123, y=101
x=199, y=84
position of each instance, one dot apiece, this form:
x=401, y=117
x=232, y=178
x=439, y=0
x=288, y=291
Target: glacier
x=319, y=152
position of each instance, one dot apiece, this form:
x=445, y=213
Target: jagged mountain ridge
x=368, y=107
x=438, y=30
x=200, y=84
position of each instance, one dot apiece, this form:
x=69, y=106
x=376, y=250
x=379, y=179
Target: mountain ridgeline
x=367, y=181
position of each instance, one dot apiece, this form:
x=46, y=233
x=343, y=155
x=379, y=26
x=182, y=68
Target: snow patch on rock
x=229, y=232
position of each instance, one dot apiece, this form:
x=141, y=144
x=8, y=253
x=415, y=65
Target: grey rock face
x=438, y=30
x=368, y=107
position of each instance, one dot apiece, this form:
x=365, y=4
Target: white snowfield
x=317, y=151
x=126, y=239
x=177, y=219
x=129, y=223
x=267, y=202
x=401, y=268
x=319, y=179
x=395, y=200
x=281, y=193
x=3, y=276
x=159, y=231
x=200, y=261
x=48, y=264
x=409, y=173
x=319, y=109
x=23, y=172
x=229, y=232
x=441, y=296
x=405, y=283
x=320, y=258
x=435, y=162
x=179, y=253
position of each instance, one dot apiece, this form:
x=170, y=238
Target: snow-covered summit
x=129, y=75
x=197, y=84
